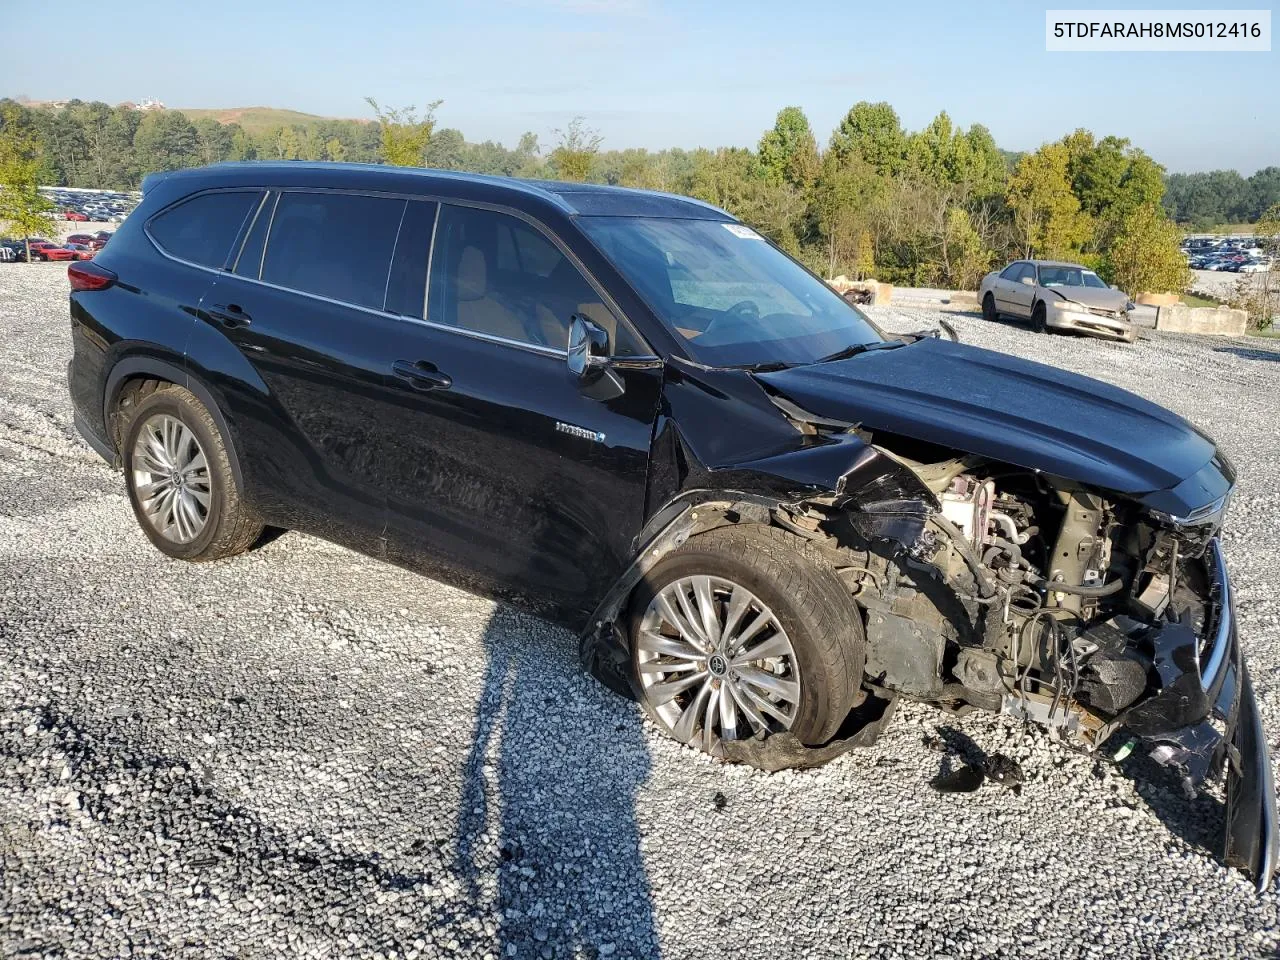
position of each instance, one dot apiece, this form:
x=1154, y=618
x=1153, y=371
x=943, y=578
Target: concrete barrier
x=1215, y=321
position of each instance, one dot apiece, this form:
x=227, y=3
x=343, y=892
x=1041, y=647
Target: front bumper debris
x=1204, y=679
x=1084, y=321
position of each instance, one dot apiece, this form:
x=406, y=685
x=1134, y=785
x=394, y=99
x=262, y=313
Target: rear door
x=501, y=473
x=304, y=305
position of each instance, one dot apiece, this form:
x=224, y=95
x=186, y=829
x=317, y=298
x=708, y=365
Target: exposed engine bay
x=1027, y=595
x=1019, y=593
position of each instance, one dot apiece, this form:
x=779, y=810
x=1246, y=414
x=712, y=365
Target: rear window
x=202, y=230
x=333, y=245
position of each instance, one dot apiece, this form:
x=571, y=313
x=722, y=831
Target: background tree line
x=938, y=206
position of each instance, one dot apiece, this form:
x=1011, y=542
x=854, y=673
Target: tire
x=227, y=525
x=812, y=612
x=989, y=309
x=1038, y=317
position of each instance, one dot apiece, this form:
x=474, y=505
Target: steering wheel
x=742, y=310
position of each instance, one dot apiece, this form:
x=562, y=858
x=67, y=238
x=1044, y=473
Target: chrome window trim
x=391, y=264
x=253, y=222
x=266, y=240
x=146, y=224
x=431, y=254
x=471, y=334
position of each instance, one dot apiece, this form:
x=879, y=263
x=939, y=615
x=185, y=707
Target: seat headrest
x=472, y=278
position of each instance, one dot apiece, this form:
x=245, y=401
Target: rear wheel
x=746, y=631
x=989, y=309
x=179, y=478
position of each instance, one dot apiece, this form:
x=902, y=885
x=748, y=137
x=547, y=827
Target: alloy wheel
x=715, y=664
x=171, y=478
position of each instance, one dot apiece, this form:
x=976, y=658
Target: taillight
x=87, y=275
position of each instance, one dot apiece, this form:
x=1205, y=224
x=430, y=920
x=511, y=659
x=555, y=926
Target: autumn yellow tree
x=1146, y=256
x=404, y=133
x=1046, y=213
x=577, y=147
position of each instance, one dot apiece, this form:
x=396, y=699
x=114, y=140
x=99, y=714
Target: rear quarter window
x=203, y=229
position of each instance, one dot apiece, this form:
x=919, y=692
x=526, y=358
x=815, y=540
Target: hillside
x=258, y=120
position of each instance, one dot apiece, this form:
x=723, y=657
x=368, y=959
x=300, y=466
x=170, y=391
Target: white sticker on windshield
x=744, y=233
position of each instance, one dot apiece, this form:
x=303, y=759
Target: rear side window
x=202, y=230
x=333, y=245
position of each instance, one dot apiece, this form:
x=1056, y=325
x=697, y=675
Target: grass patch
x=257, y=120
x=1272, y=334
x=1195, y=300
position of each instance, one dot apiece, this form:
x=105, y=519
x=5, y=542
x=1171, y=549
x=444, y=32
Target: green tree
x=213, y=140
x=404, y=134
x=576, y=150
x=788, y=151
x=446, y=150
x=166, y=140
x=22, y=206
x=873, y=132
x=242, y=145
x=843, y=203
x=335, y=150
x=284, y=142
x=1146, y=256
x=1046, y=213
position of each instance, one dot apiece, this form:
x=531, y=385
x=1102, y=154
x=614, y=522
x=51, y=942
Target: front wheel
x=745, y=632
x=989, y=309
x=1039, y=316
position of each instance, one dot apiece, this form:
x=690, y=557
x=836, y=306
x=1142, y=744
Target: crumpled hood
x=1092, y=297
x=1005, y=408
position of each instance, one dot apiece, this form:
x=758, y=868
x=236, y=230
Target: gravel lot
x=303, y=752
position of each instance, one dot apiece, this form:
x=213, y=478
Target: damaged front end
x=1008, y=590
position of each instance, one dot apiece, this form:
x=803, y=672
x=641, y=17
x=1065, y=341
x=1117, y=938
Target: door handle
x=423, y=375
x=229, y=315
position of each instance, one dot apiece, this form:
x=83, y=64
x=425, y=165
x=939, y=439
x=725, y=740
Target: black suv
x=631, y=414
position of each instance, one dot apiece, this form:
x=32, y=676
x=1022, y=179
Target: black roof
x=580, y=199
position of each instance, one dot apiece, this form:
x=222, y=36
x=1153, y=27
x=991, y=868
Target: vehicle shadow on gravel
x=1247, y=353
x=553, y=772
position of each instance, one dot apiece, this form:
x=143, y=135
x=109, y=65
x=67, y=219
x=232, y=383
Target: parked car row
x=1229, y=254
x=83, y=205
x=78, y=246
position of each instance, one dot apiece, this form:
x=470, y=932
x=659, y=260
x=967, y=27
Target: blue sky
x=655, y=73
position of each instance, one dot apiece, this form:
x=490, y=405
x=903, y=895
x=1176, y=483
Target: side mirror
x=1029, y=281
x=588, y=360
x=588, y=349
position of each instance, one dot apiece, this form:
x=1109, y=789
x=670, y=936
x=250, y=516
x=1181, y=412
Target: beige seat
x=477, y=309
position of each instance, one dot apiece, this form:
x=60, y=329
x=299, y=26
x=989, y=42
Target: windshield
x=1070, y=277
x=732, y=296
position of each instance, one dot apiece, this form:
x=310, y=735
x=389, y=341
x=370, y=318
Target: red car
x=46, y=251
x=91, y=240
x=74, y=215
x=82, y=251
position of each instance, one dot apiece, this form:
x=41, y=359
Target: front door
x=1022, y=291
x=501, y=474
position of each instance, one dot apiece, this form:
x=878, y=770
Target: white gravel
x=304, y=752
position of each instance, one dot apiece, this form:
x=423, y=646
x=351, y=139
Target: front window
x=1070, y=277
x=731, y=295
